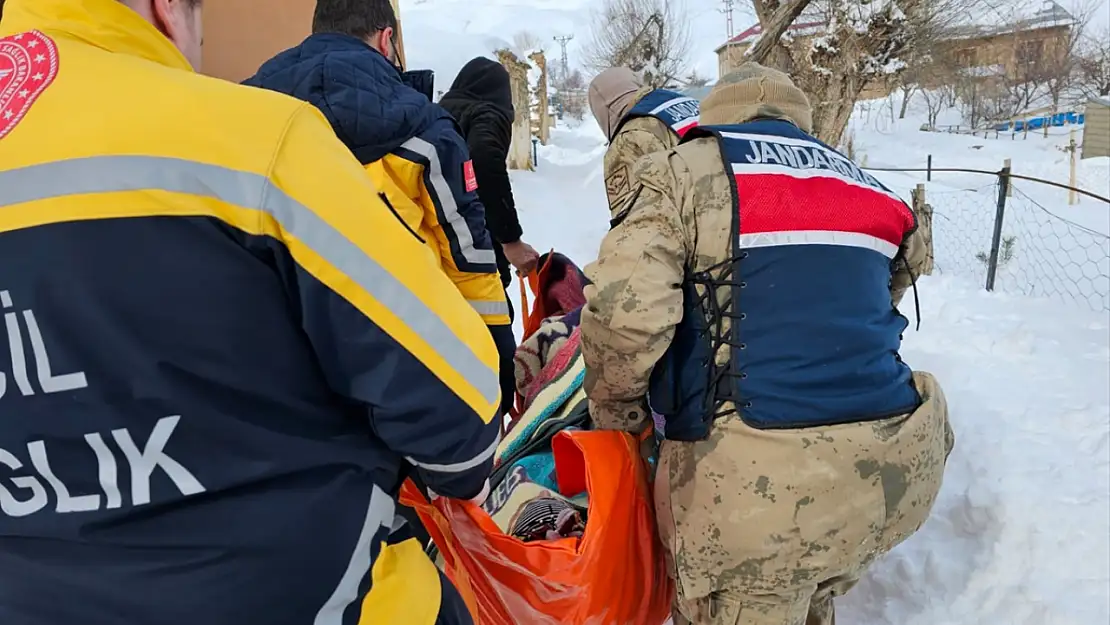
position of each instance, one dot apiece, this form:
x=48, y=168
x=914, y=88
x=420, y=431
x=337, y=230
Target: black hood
x=483, y=80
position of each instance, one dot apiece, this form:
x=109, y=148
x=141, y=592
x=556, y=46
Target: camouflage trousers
x=766, y=527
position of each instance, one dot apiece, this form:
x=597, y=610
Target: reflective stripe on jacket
x=410, y=147
x=225, y=351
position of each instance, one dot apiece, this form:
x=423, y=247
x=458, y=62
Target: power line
x=728, y=4
x=563, y=40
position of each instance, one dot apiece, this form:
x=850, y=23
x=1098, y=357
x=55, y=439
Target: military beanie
x=754, y=91
x=612, y=93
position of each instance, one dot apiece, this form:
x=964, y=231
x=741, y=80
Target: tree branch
x=773, y=29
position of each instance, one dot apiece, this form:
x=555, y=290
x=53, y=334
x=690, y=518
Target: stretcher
x=614, y=573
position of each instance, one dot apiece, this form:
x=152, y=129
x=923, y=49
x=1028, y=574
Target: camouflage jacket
x=637, y=138
x=678, y=217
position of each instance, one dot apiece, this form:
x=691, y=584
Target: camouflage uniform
x=637, y=138
x=764, y=527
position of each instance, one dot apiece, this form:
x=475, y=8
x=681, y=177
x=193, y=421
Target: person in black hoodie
x=481, y=101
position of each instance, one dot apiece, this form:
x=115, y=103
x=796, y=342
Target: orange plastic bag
x=614, y=575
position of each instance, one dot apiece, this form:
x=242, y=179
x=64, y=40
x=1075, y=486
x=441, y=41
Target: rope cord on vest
x=916, y=299
x=719, y=393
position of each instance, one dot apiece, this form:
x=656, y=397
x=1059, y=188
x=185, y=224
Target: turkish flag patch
x=469, y=179
x=28, y=64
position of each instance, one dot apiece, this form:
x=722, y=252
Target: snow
x=1020, y=534
x=1021, y=531
x=1062, y=250
x=442, y=35
x=993, y=17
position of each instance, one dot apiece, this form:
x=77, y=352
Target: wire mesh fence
x=1045, y=255
x=1010, y=240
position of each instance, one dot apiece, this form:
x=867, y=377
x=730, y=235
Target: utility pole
x=728, y=4
x=563, y=40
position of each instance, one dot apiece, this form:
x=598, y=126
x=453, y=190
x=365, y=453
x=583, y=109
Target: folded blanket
x=536, y=353
x=554, y=401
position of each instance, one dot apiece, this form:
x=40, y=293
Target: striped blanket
x=550, y=371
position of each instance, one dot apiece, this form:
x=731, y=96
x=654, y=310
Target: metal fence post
x=999, y=215
x=929, y=169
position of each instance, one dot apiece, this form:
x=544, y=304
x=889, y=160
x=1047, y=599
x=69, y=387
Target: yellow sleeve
x=389, y=328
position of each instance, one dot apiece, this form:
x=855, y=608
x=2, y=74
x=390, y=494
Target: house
x=983, y=41
x=1096, y=132
x=730, y=54
x=1013, y=44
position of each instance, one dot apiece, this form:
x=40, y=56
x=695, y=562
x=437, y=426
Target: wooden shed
x=1096, y=129
x=240, y=35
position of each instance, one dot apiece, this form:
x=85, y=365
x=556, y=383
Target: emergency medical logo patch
x=28, y=64
x=469, y=179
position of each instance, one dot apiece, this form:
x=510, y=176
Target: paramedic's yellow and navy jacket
x=413, y=151
x=222, y=352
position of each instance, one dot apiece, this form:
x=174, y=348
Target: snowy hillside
x=1021, y=532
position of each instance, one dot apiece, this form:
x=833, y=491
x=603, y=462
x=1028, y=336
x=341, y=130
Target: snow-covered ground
x=1059, y=251
x=1021, y=532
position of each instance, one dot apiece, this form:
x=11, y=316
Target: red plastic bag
x=614, y=575
x=534, y=314
x=557, y=289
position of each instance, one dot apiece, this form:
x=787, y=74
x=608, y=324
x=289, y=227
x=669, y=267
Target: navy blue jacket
x=411, y=146
x=220, y=352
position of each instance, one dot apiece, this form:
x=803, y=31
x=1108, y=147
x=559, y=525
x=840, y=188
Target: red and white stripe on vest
x=678, y=112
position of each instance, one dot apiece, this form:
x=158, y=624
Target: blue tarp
x=1037, y=123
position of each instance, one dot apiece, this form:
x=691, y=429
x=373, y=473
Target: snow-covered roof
x=975, y=18
x=810, y=22
x=983, y=18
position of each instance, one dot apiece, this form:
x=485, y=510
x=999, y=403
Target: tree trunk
x=906, y=95
x=543, y=114
x=400, y=39
x=520, y=150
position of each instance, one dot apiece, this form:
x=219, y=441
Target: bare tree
x=574, y=80
x=526, y=42
x=1053, y=63
x=1094, y=65
x=935, y=102
x=570, y=94
x=694, y=79
x=984, y=99
x=863, y=42
x=648, y=36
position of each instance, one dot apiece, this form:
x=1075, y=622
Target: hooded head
x=753, y=92
x=484, y=80
x=612, y=94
